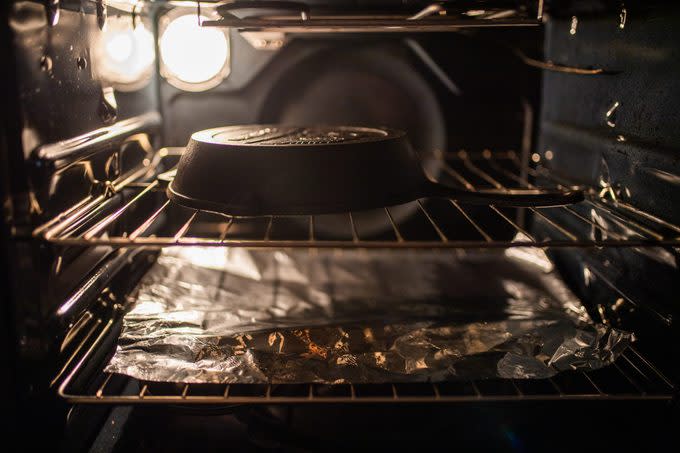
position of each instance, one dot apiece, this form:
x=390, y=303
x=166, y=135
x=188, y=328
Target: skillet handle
x=509, y=197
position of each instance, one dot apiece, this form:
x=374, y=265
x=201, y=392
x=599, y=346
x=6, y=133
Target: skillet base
x=249, y=210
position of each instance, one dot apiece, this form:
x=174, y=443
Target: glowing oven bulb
x=119, y=47
x=195, y=56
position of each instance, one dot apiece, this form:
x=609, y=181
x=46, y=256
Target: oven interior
x=103, y=96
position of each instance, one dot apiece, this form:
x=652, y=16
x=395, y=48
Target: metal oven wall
x=444, y=90
x=56, y=88
x=618, y=131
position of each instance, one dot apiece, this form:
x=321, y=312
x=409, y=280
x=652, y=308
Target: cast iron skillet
x=282, y=170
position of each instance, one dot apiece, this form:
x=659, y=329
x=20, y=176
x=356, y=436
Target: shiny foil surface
x=221, y=315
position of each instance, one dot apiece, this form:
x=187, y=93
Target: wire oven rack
x=631, y=377
x=137, y=213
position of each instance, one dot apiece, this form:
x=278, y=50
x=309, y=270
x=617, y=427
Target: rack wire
x=631, y=377
x=139, y=214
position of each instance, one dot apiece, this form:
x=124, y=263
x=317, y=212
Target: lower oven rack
x=631, y=377
x=601, y=220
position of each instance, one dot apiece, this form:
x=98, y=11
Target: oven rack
x=138, y=213
x=631, y=377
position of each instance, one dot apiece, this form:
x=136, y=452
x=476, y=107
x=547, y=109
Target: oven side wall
x=55, y=89
x=619, y=131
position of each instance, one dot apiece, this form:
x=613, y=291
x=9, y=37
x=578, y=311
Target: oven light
x=123, y=56
x=193, y=58
x=119, y=47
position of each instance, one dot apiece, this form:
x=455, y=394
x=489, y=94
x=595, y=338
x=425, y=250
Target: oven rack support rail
x=435, y=17
x=138, y=213
x=366, y=25
x=631, y=377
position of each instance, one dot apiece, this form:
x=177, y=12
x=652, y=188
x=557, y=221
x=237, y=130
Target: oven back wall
x=371, y=80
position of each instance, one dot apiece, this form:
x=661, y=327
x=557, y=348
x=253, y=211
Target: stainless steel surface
x=610, y=222
x=62, y=72
x=432, y=18
x=429, y=10
x=99, y=138
x=550, y=66
x=96, y=201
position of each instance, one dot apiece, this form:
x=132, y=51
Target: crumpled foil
x=230, y=315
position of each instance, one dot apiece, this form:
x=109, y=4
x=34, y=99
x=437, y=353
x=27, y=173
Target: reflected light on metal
x=124, y=56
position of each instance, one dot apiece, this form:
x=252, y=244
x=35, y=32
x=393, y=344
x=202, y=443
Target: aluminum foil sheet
x=219, y=315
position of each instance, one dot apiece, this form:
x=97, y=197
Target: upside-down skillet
x=258, y=170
